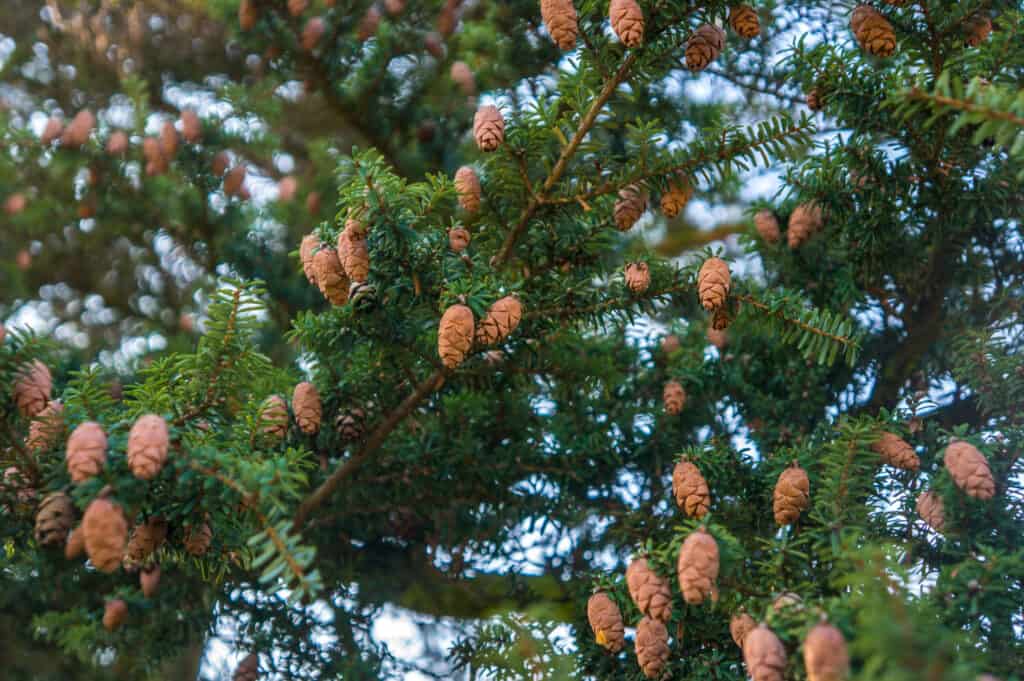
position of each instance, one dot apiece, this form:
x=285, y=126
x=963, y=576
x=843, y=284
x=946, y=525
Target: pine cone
x=676, y=196
x=54, y=518
x=713, y=282
x=670, y=344
x=149, y=580
x=148, y=442
x=234, y=180
x=787, y=599
x=970, y=470
x=651, y=647
x=86, y=451
x=467, y=185
x=274, y=417
x=606, y=622
x=488, y=128
x=353, y=253
x=501, y=320
x=814, y=100
x=76, y=544
x=718, y=337
x=287, y=186
x=394, y=7
x=313, y=203
x=455, y=335
x=651, y=592
x=310, y=243
x=977, y=27
x=247, y=14
x=156, y=164
x=118, y=143
x=248, y=669
x=369, y=24
x=804, y=221
x=46, y=427
x=627, y=21
x=792, y=495
x=674, y=398
x=168, y=140
x=307, y=408
x=932, y=510
x=77, y=132
x=312, y=32
x=896, y=452
x=105, y=531
x=825, y=654
x=462, y=75
x=53, y=129
x=560, y=19
x=764, y=655
x=631, y=204
x=219, y=164
x=19, y=485
x=145, y=539
x=197, y=539
x=14, y=204
x=362, y=295
x=740, y=625
x=690, y=489
x=297, y=7
x=115, y=614
x=458, y=239
x=697, y=567
x=330, y=276
x=873, y=31
x=350, y=424
x=32, y=388
x=638, y=277
x=704, y=46
x=191, y=126
x=744, y=21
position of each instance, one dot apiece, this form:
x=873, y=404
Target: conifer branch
x=917, y=94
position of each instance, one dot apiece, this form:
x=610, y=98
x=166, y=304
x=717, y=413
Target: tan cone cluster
x=77, y=132
x=630, y=205
x=46, y=427
x=114, y=614
x=350, y=424
x=703, y=46
x=805, y=220
x=310, y=243
x=462, y=75
x=51, y=131
x=307, y=407
x=330, y=276
x=248, y=669
x=764, y=655
x=458, y=239
x=896, y=451
x=825, y=655
x=740, y=625
x=148, y=442
x=54, y=519
x=676, y=196
x=744, y=21
x=713, y=283
x=488, y=128
x=32, y=388
x=651, y=647
x=697, y=567
x=792, y=495
x=931, y=510
x=970, y=470
x=274, y=417
x=197, y=539
x=873, y=31
x=560, y=19
x=606, y=622
x=105, y=532
x=118, y=143
x=977, y=29
x=627, y=21
x=145, y=539
x=149, y=580
x=638, y=276
x=86, y=451
x=455, y=335
x=467, y=186
x=690, y=489
x=650, y=591
x=673, y=397
x=312, y=32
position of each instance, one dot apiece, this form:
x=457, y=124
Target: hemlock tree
x=814, y=470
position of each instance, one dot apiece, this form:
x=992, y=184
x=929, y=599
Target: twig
x=754, y=302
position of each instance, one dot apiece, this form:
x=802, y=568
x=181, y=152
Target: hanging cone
x=740, y=625
x=713, y=282
x=825, y=654
x=627, y=21
x=394, y=7
x=234, y=180
x=488, y=128
x=804, y=221
x=970, y=470
x=467, y=185
x=764, y=655
x=932, y=511
x=310, y=243
x=77, y=132
x=105, y=532
x=274, y=417
x=369, y=24
x=744, y=21
x=219, y=164
x=148, y=443
x=76, y=544
x=606, y=622
x=651, y=647
x=287, y=186
x=501, y=320
x=168, y=140
x=674, y=398
x=631, y=204
x=670, y=344
x=462, y=75
x=676, y=196
x=650, y=592
x=118, y=143
x=718, y=337
x=53, y=129
x=156, y=164
x=45, y=429
x=312, y=32
x=690, y=489
x=458, y=239
x=792, y=495
x=896, y=452
x=86, y=451
x=814, y=99
x=197, y=539
x=353, y=252
x=977, y=28
x=297, y=7
x=149, y=580
x=697, y=567
x=638, y=277
x=330, y=276
x=14, y=204
x=560, y=19
x=350, y=424
x=54, y=518
x=191, y=126
x=704, y=46
x=247, y=14
x=145, y=539
x=115, y=614
x=362, y=295
x=307, y=408
x=32, y=387
x=248, y=669
x=873, y=31
x=455, y=335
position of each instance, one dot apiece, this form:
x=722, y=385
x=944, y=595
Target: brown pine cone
x=330, y=276
x=873, y=31
x=804, y=221
x=744, y=21
x=896, y=452
x=825, y=654
x=149, y=580
x=105, y=532
x=560, y=19
x=312, y=32
x=394, y=7
x=14, y=204
x=53, y=130
x=767, y=226
x=814, y=100
x=462, y=75
x=248, y=669
x=627, y=21
x=86, y=452
x=353, y=252
x=54, y=518
x=287, y=186
x=638, y=277
x=32, y=388
x=455, y=335
x=219, y=164
x=145, y=539
x=197, y=539
x=310, y=243
x=606, y=622
x=970, y=470
x=651, y=647
x=467, y=186
x=76, y=544
x=501, y=320
x=156, y=164
x=274, y=417
x=191, y=126
x=676, y=196
x=77, y=132
x=234, y=180
x=764, y=655
x=307, y=408
x=297, y=7
x=674, y=398
x=148, y=442
x=247, y=14
x=713, y=282
x=650, y=592
x=978, y=28
x=631, y=204
x=670, y=344
x=690, y=489
x=792, y=495
x=114, y=615
x=488, y=128
x=458, y=239
x=718, y=337
x=740, y=625
x=932, y=510
x=369, y=24
x=19, y=484
x=703, y=46
x=168, y=140
x=46, y=428
x=697, y=567
x=118, y=143
x=350, y=424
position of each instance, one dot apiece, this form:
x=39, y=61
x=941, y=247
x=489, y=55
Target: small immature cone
x=697, y=567
x=638, y=276
x=191, y=126
x=197, y=539
x=350, y=424
x=77, y=132
x=32, y=388
x=467, y=185
x=744, y=21
x=86, y=451
x=118, y=143
x=247, y=14
x=690, y=489
x=220, y=163
x=895, y=451
x=458, y=239
x=674, y=398
x=145, y=539
x=353, y=252
x=46, y=427
x=873, y=31
x=627, y=21
x=369, y=24
x=676, y=196
x=15, y=203
x=764, y=655
x=462, y=75
x=651, y=647
x=825, y=654
x=455, y=335
x=149, y=580
x=488, y=128
x=17, y=482
x=53, y=129
x=670, y=344
x=168, y=140
x=804, y=221
x=248, y=669
x=394, y=7
x=156, y=162
x=234, y=179
x=286, y=188
x=114, y=615
x=718, y=337
x=977, y=29
x=330, y=276
x=606, y=622
x=560, y=19
x=970, y=470
x=650, y=592
x=105, y=531
x=307, y=407
x=307, y=248
x=713, y=282
x=148, y=442
x=932, y=510
x=792, y=495
x=740, y=625
x=312, y=32
x=703, y=46
x=313, y=203
x=630, y=205
x=297, y=7
x=274, y=417
x=53, y=519
x=501, y=320
x=76, y=544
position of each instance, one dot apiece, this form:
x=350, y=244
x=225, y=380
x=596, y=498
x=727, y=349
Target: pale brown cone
x=791, y=496
x=895, y=451
x=369, y=24
x=690, y=489
x=764, y=655
x=873, y=31
x=932, y=510
x=156, y=164
x=744, y=21
x=721, y=319
x=168, y=140
x=15, y=203
x=148, y=442
x=651, y=647
x=145, y=539
x=455, y=335
x=353, y=252
x=488, y=128
x=394, y=7
x=114, y=615
x=814, y=100
x=703, y=46
x=149, y=580
x=674, y=398
x=670, y=344
x=825, y=654
x=650, y=591
x=740, y=625
x=501, y=319
x=118, y=143
x=627, y=21
x=978, y=28
x=274, y=416
x=697, y=567
x=350, y=424
x=234, y=180
x=46, y=427
x=467, y=185
x=804, y=221
x=307, y=248
x=197, y=539
x=630, y=205
x=105, y=531
x=713, y=282
x=560, y=19
x=32, y=388
x=462, y=75
x=606, y=622
x=307, y=407
x=287, y=186
x=638, y=276
x=247, y=14
x=20, y=484
x=191, y=126
x=330, y=276
x=54, y=518
x=718, y=337
x=970, y=470
x=458, y=239
x=248, y=669
x=86, y=451
x=76, y=544
x=676, y=196
x=448, y=18
x=313, y=203
x=297, y=7
x=53, y=129
x=220, y=163
x=77, y=132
